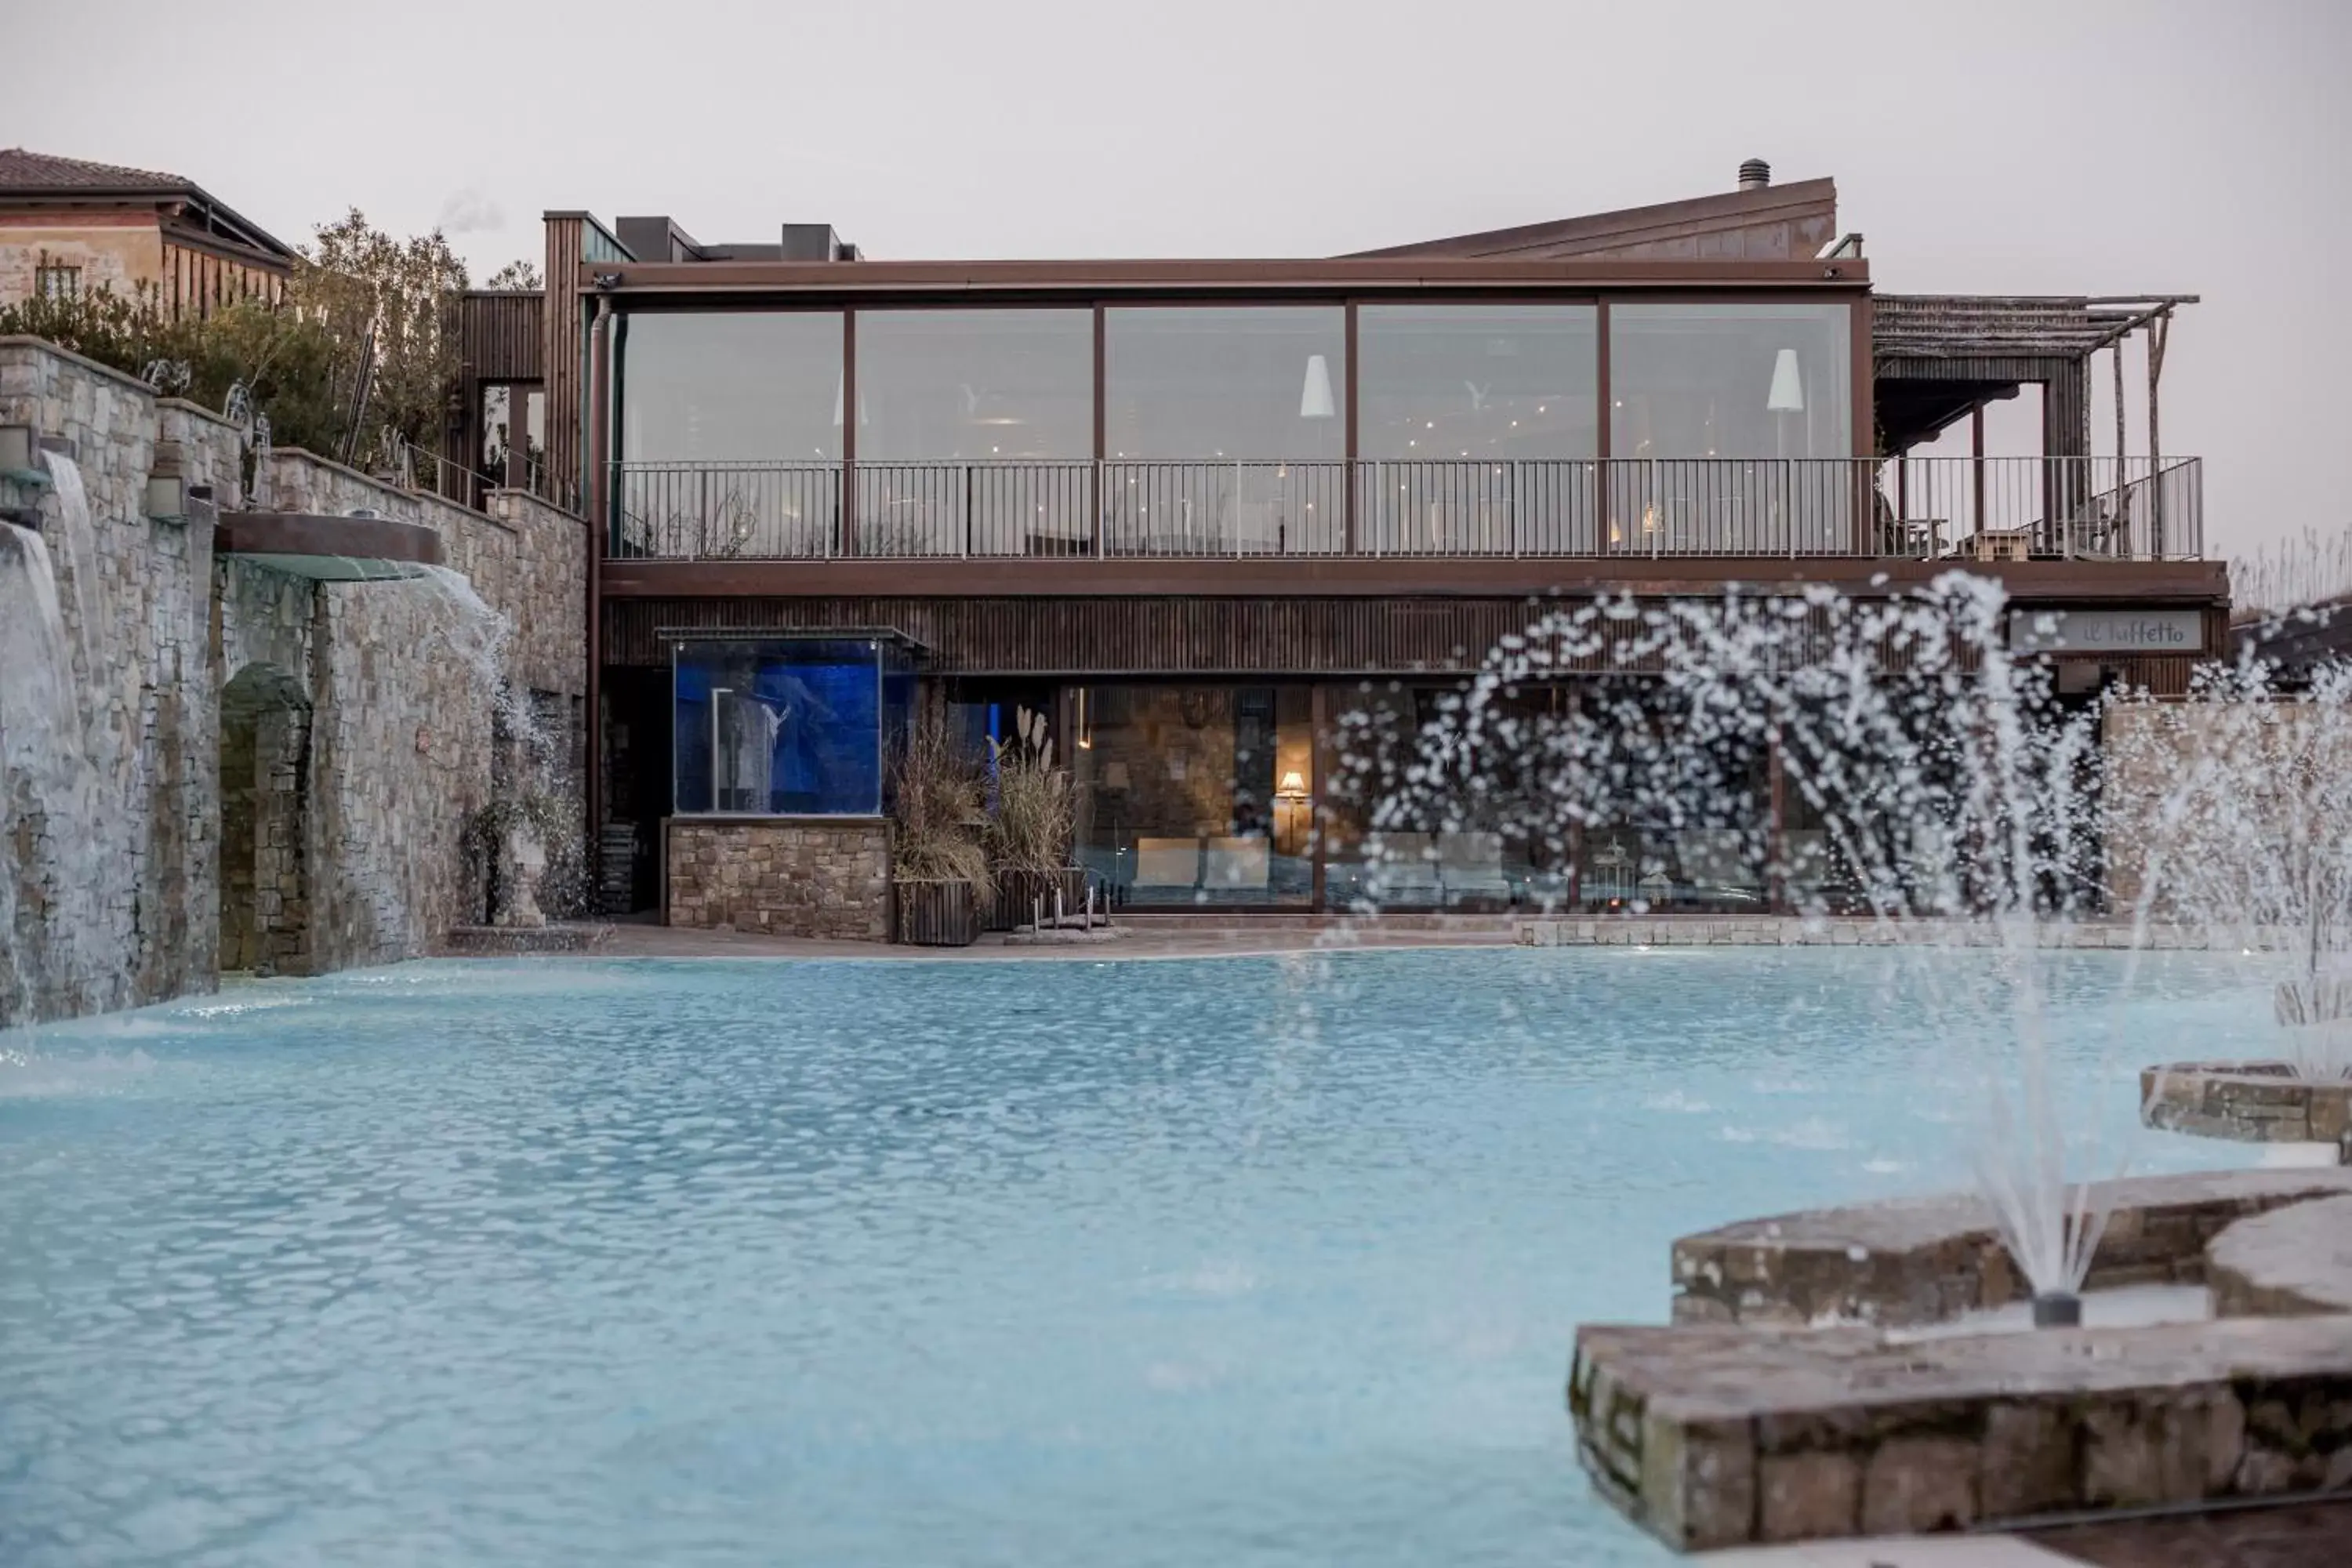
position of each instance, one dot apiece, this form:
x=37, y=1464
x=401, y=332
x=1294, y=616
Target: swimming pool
x=1236, y=1261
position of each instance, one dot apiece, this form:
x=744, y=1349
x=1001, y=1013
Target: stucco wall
x=114, y=250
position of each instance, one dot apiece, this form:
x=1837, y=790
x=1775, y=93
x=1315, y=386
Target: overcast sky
x=2057, y=146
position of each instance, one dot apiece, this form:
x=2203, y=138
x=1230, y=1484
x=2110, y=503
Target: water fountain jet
x=1943, y=784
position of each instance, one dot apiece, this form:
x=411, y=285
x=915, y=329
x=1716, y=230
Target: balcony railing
x=2130, y=508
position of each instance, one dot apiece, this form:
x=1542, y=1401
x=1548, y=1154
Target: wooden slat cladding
x=1887, y=365
x=1102, y=637
x=560, y=355
x=1089, y=637
x=500, y=336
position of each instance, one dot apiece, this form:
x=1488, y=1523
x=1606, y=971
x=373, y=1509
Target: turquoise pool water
x=1242, y=1261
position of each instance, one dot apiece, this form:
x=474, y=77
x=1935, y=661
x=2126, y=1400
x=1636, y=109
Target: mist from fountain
x=1941, y=780
x=2242, y=798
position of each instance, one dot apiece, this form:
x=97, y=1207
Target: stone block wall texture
x=403, y=749
x=1714, y=1437
x=2252, y=1103
x=526, y=559
x=1908, y=1261
x=365, y=742
x=790, y=877
x=1848, y=931
x=131, y=868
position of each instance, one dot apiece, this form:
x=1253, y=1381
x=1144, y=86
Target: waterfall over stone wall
x=192, y=743
x=67, y=837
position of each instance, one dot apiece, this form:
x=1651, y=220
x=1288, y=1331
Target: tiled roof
x=38, y=178
x=21, y=170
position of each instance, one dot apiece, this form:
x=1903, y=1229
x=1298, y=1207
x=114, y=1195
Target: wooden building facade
x=1184, y=509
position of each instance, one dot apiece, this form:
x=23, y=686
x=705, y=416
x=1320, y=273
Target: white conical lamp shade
x=1315, y=395
x=837, y=404
x=1788, y=386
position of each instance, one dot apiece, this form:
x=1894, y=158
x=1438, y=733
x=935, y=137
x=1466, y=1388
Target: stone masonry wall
x=402, y=750
x=400, y=756
x=526, y=559
x=546, y=592
x=135, y=866
x=370, y=742
x=808, y=876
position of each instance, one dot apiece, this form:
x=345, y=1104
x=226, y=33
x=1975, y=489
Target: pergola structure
x=1940, y=358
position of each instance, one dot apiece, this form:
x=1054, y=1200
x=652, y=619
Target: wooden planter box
x=935, y=914
x=1017, y=893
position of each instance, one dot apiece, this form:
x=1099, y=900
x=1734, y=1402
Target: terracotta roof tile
x=21, y=170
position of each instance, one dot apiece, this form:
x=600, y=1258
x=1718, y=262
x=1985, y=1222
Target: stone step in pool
x=1718, y=1435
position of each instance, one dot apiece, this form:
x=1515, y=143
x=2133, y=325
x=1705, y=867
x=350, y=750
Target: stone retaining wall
x=811, y=877
x=136, y=870
x=1720, y=1436
x=1797, y=931
x=365, y=744
x=1911, y=1261
x=2252, y=1103
x=1749, y=1421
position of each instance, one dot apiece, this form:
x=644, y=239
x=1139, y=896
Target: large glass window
x=787, y=728
x=732, y=385
x=1475, y=422
x=1685, y=823
x=1195, y=383
x=502, y=433
x=1477, y=381
x=975, y=385
x=1196, y=794
x=1730, y=381
x=975, y=431
x=1487, y=849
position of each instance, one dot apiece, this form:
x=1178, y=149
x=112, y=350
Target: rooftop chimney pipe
x=1755, y=175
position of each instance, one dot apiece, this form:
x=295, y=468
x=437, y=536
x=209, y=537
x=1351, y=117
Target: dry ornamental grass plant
x=1036, y=810
x=939, y=812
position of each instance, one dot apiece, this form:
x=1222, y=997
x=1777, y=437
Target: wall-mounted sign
x=2107, y=631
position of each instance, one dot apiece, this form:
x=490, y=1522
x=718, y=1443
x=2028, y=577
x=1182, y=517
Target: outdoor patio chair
x=1165, y=865
x=1807, y=852
x=1237, y=865
x=1407, y=868
x=1470, y=866
x=1713, y=861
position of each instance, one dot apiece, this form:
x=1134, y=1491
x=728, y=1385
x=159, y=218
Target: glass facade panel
x=1239, y=383
x=1477, y=381
x=1476, y=852
x=1730, y=381
x=1196, y=794
x=499, y=400
x=793, y=728
x=730, y=385
x=1686, y=827
x=936, y=384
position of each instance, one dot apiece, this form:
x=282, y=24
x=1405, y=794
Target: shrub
x=938, y=812
x=1037, y=811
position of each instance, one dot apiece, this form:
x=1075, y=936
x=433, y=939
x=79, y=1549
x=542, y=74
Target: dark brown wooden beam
x=2170, y=581
x=1341, y=275
x=294, y=533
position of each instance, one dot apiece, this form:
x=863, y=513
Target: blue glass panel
x=690, y=725
x=784, y=728
x=897, y=705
